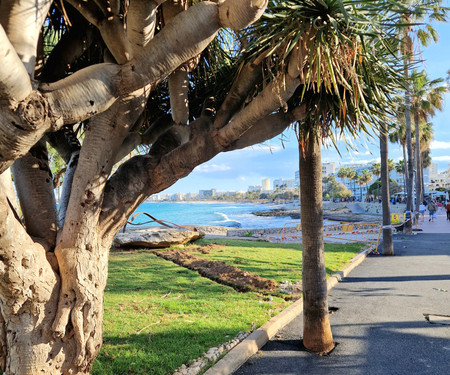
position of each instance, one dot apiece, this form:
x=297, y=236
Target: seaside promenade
x=391, y=316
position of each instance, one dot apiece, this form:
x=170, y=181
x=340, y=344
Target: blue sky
x=278, y=158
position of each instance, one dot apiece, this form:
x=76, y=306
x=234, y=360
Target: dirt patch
x=205, y=249
x=219, y=271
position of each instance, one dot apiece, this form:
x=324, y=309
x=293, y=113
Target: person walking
x=422, y=209
x=447, y=207
x=432, y=211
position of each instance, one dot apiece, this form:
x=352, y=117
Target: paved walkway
x=439, y=225
x=380, y=325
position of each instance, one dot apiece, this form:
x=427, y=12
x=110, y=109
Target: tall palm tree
x=415, y=16
x=387, y=245
x=400, y=167
x=397, y=134
x=366, y=177
x=343, y=173
x=353, y=176
x=376, y=171
x=359, y=179
x=339, y=53
x=427, y=97
x=426, y=136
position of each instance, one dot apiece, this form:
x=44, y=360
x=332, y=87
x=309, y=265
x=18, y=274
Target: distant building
x=204, y=194
x=290, y=184
x=328, y=169
x=283, y=184
x=297, y=179
x=265, y=184
x=440, y=180
x=178, y=197
x=254, y=188
x=433, y=168
x=358, y=191
x=277, y=183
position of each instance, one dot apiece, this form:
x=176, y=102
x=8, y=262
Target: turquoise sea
x=211, y=213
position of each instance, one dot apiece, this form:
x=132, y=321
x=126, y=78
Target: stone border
x=237, y=356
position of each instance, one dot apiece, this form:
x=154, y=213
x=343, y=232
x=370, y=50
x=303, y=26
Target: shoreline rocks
x=155, y=237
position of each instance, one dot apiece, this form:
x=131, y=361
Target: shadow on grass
x=158, y=353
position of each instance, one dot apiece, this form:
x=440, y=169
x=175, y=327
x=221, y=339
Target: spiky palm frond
x=346, y=55
x=427, y=95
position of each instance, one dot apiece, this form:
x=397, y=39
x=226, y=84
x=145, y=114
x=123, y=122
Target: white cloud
x=438, y=145
x=441, y=158
x=264, y=148
x=361, y=161
x=211, y=168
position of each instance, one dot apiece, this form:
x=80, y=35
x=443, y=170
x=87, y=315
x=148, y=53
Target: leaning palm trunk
x=317, y=335
x=388, y=248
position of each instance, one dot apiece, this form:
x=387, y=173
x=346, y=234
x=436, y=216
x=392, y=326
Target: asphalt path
x=380, y=321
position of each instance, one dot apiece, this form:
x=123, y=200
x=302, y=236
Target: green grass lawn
x=275, y=261
x=159, y=315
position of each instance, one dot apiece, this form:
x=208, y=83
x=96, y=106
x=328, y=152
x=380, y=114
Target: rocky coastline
x=341, y=211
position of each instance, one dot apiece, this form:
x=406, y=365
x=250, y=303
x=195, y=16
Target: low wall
x=374, y=208
x=253, y=232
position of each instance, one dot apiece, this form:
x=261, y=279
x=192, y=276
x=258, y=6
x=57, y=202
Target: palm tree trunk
x=410, y=182
x=388, y=248
x=317, y=335
x=405, y=168
x=419, y=192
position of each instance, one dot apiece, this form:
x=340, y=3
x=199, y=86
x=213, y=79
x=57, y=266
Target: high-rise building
x=202, y=194
x=265, y=184
x=328, y=169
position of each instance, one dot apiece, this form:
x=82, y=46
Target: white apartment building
x=328, y=169
x=285, y=184
x=439, y=180
x=265, y=183
x=358, y=191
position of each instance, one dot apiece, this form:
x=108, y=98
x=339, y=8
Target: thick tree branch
x=242, y=87
x=22, y=21
x=70, y=47
x=34, y=184
x=94, y=89
x=64, y=141
x=267, y=128
x=141, y=29
x=142, y=176
x=274, y=96
x=15, y=83
x=89, y=10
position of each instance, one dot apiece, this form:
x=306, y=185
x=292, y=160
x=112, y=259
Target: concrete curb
x=237, y=356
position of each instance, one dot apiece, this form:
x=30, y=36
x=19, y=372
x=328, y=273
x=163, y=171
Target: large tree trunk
x=317, y=335
x=29, y=289
x=388, y=248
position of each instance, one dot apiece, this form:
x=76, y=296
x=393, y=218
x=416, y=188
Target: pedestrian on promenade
x=422, y=209
x=447, y=207
x=432, y=210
